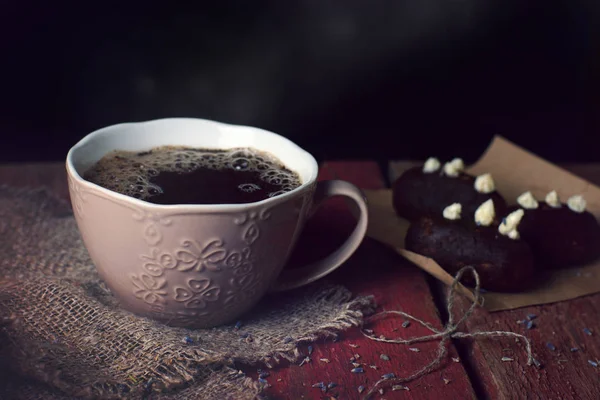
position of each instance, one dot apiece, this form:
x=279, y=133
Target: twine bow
x=450, y=331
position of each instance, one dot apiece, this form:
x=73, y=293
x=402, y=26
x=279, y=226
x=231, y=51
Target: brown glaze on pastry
x=503, y=264
x=560, y=237
x=417, y=194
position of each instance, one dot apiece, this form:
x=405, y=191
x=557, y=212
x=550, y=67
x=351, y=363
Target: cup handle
x=294, y=278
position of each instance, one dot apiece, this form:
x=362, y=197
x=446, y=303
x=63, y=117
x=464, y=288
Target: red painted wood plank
x=565, y=374
x=396, y=285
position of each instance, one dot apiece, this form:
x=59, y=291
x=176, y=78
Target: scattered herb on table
x=530, y=324
x=306, y=360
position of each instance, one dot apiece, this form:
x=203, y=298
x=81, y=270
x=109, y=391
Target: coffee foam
x=129, y=173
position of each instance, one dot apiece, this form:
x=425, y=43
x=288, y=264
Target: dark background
x=344, y=79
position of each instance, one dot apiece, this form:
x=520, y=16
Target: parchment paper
x=515, y=171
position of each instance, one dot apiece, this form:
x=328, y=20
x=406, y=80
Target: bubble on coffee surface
x=130, y=173
x=249, y=187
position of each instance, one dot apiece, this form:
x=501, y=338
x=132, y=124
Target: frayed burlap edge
x=352, y=315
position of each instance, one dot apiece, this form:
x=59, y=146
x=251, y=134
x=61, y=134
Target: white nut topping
x=485, y=213
x=454, y=167
x=514, y=234
x=526, y=200
x=552, y=199
x=508, y=227
x=431, y=165
x=485, y=183
x=577, y=203
x=453, y=211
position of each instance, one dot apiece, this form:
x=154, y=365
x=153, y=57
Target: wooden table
x=473, y=369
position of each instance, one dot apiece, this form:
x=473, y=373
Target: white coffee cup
x=200, y=265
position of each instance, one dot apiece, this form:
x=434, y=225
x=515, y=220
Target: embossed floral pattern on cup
x=198, y=265
x=149, y=288
x=196, y=293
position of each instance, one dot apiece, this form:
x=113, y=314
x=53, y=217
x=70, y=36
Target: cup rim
x=227, y=207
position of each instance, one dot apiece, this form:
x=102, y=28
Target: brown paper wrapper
x=515, y=171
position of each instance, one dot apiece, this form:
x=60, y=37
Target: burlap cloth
x=63, y=335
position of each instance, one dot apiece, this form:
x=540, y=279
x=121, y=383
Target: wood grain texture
x=396, y=285
x=565, y=374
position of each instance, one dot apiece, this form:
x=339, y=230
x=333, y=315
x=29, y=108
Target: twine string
x=450, y=331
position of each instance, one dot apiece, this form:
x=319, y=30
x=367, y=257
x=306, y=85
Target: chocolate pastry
x=560, y=235
x=503, y=261
x=426, y=191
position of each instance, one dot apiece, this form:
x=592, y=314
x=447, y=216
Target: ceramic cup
x=199, y=265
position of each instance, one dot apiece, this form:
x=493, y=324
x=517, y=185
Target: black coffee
x=182, y=175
